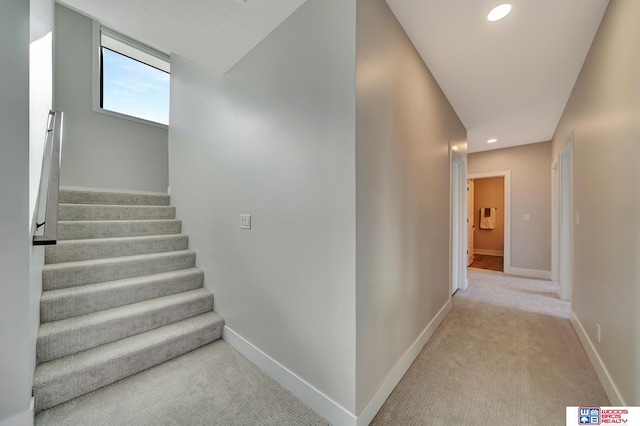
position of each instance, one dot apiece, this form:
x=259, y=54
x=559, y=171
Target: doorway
x=490, y=214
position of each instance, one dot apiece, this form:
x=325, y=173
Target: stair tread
x=118, y=239
x=88, y=320
x=110, y=260
x=117, y=221
x=86, y=212
x=115, y=284
x=104, y=248
x=152, y=206
x=59, y=368
x=112, y=198
x=88, y=229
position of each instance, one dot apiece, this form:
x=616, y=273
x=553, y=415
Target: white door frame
x=458, y=222
x=506, y=174
x=555, y=218
x=565, y=221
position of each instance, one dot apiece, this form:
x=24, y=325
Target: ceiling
x=214, y=33
x=508, y=80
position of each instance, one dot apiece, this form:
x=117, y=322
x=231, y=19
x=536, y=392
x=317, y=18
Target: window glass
x=130, y=85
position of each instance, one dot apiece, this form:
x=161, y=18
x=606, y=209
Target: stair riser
x=86, y=197
x=94, y=301
x=101, y=212
x=74, y=385
x=86, y=337
x=114, y=229
x=73, y=276
x=74, y=251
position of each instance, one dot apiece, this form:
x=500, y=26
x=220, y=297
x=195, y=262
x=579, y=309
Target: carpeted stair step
x=71, y=302
x=90, y=197
x=66, y=378
x=80, y=230
x=73, y=274
x=114, y=212
x=102, y=248
x=69, y=336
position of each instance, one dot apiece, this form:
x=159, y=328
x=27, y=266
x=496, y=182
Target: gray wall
x=40, y=102
x=530, y=194
x=603, y=112
x=275, y=138
x=15, y=389
x=100, y=151
x=404, y=125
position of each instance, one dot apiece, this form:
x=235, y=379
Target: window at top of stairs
x=133, y=79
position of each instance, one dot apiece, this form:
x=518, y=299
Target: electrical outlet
x=598, y=333
x=527, y=218
x=245, y=221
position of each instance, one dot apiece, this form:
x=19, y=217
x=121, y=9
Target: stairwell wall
x=603, y=112
x=41, y=22
x=404, y=125
x=275, y=138
x=15, y=381
x=100, y=151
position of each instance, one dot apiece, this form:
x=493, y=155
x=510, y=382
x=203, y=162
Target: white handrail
x=50, y=182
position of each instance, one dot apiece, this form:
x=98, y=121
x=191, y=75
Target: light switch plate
x=527, y=218
x=245, y=221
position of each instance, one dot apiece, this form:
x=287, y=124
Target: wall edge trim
x=393, y=377
x=529, y=273
x=23, y=418
x=300, y=388
x=610, y=388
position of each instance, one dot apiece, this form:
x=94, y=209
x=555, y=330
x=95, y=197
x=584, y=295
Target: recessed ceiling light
x=499, y=12
x=492, y=140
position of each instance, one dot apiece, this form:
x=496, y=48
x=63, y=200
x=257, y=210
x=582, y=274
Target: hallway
x=506, y=354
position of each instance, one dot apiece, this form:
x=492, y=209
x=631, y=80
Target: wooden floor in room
x=493, y=263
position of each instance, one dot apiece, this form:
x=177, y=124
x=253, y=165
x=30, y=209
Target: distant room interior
x=487, y=244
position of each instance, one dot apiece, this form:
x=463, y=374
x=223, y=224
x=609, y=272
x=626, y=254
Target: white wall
x=530, y=194
x=40, y=102
x=100, y=151
x=603, y=112
x=275, y=138
x=404, y=125
x=15, y=391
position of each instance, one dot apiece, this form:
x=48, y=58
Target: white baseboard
x=530, y=273
x=304, y=391
x=488, y=252
x=400, y=368
x=610, y=388
x=122, y=191
x=25, y=418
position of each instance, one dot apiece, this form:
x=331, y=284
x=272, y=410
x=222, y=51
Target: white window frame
x=97, y=67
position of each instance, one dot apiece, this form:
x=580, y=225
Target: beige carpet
x=213, y=385
x=506, y=354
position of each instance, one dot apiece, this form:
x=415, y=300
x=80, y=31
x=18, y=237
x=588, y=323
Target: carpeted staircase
x=120, y=294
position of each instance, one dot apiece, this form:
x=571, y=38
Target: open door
x=565, y=222
x=470, y=223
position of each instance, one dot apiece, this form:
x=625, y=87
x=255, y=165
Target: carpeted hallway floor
x=505, y=355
